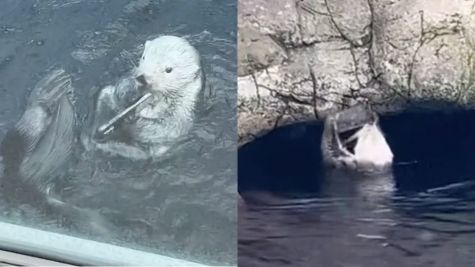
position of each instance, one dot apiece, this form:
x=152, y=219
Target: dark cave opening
x=431, y=149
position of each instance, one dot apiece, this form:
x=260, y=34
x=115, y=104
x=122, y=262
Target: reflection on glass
x=118, y=125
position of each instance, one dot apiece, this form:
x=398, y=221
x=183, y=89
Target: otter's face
x=170, y=65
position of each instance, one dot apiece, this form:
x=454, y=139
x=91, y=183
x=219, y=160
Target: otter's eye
x=168, y=70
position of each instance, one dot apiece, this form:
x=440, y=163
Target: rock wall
x=300, y=59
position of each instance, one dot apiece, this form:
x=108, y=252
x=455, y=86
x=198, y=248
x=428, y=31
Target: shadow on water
x=185, y=207
x=426, y=219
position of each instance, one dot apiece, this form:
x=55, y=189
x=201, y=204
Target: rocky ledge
x=300, y=59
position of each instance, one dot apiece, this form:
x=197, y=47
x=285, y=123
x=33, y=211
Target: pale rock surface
x=300, y=59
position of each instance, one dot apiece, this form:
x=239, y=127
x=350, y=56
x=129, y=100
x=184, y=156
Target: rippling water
x=184, y=207
x=295, y=215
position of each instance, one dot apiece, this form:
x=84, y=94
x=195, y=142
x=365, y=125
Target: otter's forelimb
x=109, y=126
x=108, y=106
x=341, y=148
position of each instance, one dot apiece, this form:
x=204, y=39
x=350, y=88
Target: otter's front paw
x=100, y=137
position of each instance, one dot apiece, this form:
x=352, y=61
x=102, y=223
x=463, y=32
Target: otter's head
x=170, y=66
x=352, y=139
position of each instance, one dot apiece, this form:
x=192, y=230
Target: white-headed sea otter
x=170, y=73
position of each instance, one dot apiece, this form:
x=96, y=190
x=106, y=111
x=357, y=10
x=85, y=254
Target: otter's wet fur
x=170, y=69
x=37, y=150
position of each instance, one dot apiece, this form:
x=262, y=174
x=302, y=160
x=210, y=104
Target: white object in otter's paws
x=372, y=147
x=169, y=69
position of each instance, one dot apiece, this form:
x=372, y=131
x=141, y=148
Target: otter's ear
x=146, y=44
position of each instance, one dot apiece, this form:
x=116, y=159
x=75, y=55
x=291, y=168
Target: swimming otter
x=353, y=140
x=357, y=158
x=35, y=153
x=170, y=73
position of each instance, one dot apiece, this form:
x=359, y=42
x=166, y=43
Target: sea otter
x=357, y=159
x=170, y=75
x=353, y=140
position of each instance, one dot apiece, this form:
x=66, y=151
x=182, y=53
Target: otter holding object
x=352, y=139
x=167, y=83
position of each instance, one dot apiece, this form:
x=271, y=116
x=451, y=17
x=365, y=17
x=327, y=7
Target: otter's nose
x=141, y=80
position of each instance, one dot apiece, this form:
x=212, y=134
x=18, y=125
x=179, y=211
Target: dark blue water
x=421, y=216
x=183, y=208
